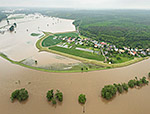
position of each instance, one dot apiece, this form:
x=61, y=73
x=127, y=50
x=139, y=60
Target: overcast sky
x=82, y=4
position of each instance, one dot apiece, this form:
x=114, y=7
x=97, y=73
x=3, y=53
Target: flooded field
x=136, y=101
x=20, y=45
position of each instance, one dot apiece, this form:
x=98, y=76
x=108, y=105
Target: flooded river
x=21, y=45
x=136, y=101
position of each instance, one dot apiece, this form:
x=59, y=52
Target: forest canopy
x=120, y=27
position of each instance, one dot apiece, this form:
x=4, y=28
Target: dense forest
x=120, y=27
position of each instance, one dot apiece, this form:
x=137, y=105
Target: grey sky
x=84, y=4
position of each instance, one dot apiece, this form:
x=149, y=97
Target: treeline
x=109, y=91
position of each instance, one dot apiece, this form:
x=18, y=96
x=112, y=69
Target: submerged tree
x=7, y=21
x=59, y=96
x=54, y=101
x=20, y=95
x=53, y=97
x=131, y=83
x=108, y=91
x=50, y=95
x=11, y=28
x=125, y=86
x=82, y=99
x=15, y=24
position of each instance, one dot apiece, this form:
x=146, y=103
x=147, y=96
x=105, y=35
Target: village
x=110, y=52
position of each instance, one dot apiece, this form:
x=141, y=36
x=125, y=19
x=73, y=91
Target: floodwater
x=136, y=101
x=21, y=45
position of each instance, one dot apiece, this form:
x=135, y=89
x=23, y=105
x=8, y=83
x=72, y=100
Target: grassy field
x=79, y=53
x=69, y=34
x=50, y=41
x=121, y=60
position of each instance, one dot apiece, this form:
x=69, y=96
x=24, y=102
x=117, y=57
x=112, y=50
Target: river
x=136, y=101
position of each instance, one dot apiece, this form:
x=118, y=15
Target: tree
x=54, y=101
x=131, y=83
x=50, y=95
x=125, y=86
x=53, y=97
x=20, y=95
x=108, y=91
x=59, y=96
x=11, y=28
x=7, y=21
x=119, y=88
x=82, y=99
x=144, y=81
x=86, y=68
x=15, y=24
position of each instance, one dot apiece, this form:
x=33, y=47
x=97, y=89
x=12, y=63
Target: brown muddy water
x=136, y=101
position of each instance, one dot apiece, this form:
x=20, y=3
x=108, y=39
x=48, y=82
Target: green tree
x=82, y=99
x=59, y=96
x=108, y=91
x=144, y=81
x=20, y=95
x=50, y=95
x=119, y=88
x=125, y=86
x=131, y=83
x=54, y=101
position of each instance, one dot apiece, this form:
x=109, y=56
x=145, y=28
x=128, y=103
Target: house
x=106, y=52
x=116, y=49
x=142, y=52
x=95, y=45
x=122, y=51
x=132, y=53
x=148, y=49
x=103, y=43
x=80, y=43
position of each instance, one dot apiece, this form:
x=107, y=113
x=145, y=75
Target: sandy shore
x=136, y=101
